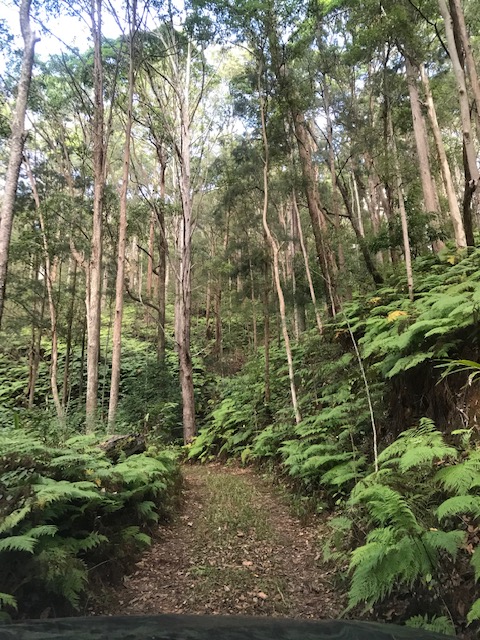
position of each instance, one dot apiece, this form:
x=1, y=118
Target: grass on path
x=235, y=549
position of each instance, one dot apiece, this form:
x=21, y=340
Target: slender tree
x=17, y=140
x=122, y=226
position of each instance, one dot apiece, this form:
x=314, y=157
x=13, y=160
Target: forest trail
x=233, y=549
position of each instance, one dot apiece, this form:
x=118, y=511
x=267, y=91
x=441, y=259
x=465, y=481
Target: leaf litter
x=234, y=549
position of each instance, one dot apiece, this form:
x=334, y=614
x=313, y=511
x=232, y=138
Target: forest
x=243, y=234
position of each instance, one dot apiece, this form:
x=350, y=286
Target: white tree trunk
x=184, y=275
x=276, y=270
x=306, y=261
x=453, y=207
x=430, y=195
x=401, y=206
x=122, y=233
x=94, y=267
x=17, y=140
x=470, y=60
x=49, y=277
x=462, y=94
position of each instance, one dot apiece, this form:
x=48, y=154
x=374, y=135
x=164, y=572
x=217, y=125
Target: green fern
x=474, y=613
x=462, y=477
x=475, y=562
x=62, y=573
x=18, y=543
x=133, y=534
x=386, y=507
x=404, y=547
x=336, y=545
x=56, y=499
x=417, y=447
x=15, y=517
x=459, y=506
x=436, y=624
x=147, y=511
x=7, y=600
x=48, y=490
x=387, y=559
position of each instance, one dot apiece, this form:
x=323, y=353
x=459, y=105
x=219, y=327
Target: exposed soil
x=234, y=548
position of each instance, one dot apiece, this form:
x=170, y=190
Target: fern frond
x=386, y=506
x=7, y=600
x=459, y=506
x=474, y=613
x=18, y=543
x=448, y=541
x=48, y=490
x=42, y=530
x=387, y=560
x=14, y=518
x=91, y=541
x=343, y=474
x=146, y=510
x=419, y=446
x=133, y=534
x=461, y=477
x=437, y=624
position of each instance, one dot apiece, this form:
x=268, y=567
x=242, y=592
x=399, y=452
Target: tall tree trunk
x=151, y=242
x=276, y=271
x=298, y=304
x=208, y=304
x=49, y=270
x=217, y=304
x=457, y=11
x=184, y=289
x=218, y=295
x=122, y=231
x=72, y=279
x=472, y=174
x=356, y=200
x=369, y=263
x=266, y=323
x=333, y=175
x=36, y=343
x=468, y=194
x=453, y=207
x=17, y=139
x=94, y=267
x=317, y=216
x=162, y=258
x=289, y=92
x=401, y=204
x=430, y=196
x=254, y=311
x=306, y=261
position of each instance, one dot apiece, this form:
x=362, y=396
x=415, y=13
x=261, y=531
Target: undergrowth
x=68, y=512
x=412, y=527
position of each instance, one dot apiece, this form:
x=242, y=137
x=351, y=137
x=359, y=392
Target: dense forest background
x=249, y=228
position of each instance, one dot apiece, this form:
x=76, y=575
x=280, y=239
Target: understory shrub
x=413, y=526
x=419, y=515
x=65, y=511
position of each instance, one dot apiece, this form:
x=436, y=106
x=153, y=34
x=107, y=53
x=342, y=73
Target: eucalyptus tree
x=275, y=247
x=131, y=9
x=178, y=78
x=17, y=140
x=458, y=46
x=267, y=26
